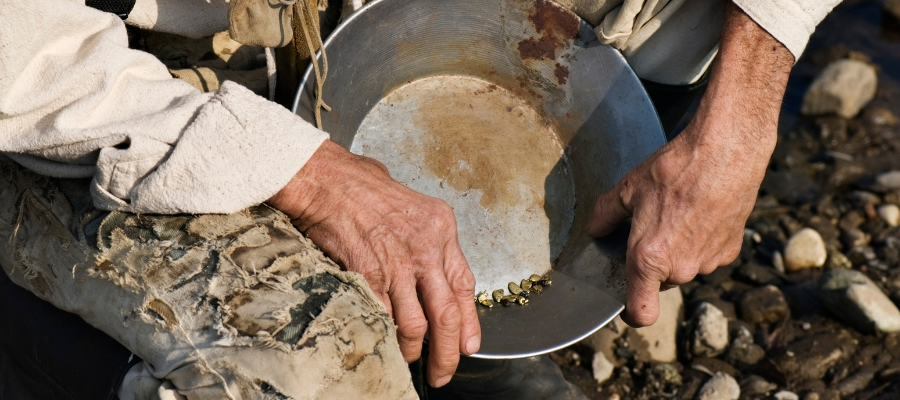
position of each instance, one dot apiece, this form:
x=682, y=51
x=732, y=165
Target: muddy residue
x=562, y=73
x=487, y=140
x=554, y=24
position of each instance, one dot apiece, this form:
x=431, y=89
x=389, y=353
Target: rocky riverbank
x=809, y=309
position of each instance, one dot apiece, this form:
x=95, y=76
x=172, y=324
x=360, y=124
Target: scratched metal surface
x=542, y=58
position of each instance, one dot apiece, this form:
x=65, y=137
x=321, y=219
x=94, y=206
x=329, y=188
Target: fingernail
x=442, y=381
x=473, y=344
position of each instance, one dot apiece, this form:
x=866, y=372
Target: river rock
x=743, y=352
x=890, y=213
x=836, y=259
x=843, y=88
x=764, y=305
x=758, y=274
x=755, y=385
x=810, y=357
x=806, y=249
x=786, y=395
x=887, y=181
x=602, y=367
x=710, y=335
x=720, y=387
x=854, y=298
x=854, y=238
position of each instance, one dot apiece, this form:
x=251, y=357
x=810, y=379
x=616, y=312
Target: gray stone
x=758, y=274
x=843, y=88
x=764, y=305
x=602, y=367
x=720, y=387
x=890, y=213
x=710, y=336
x=836, y=259
x=806, y=249
x=790, y=186
x=755, y=385
x=854, y=238
x=810, y=357
x=743, y=352
x=888, y=181
x=854, y=298
x=786, y=395
x=778, y=262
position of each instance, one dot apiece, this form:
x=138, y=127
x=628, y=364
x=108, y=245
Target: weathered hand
x=689, y=201
x=403, y=242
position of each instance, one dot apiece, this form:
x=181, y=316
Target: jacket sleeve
x=791, y=22
x=76, y=102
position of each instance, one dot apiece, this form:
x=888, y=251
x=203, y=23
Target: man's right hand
x=404, y=243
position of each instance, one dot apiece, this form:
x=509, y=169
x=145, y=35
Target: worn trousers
x=239, y=306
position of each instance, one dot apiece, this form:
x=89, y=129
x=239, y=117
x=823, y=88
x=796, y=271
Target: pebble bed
x=809, y=310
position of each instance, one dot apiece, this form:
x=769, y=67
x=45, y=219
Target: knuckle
x=450, y=317
x=683, y=274
x=463, y=281
x=414, y=330
x=731, y=252
x=651, y=259
x=708, y=269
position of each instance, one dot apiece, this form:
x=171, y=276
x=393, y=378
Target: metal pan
x=513, y=113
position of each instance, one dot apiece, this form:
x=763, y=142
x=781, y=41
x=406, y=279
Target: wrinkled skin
x=690, y=200
x=404, y=243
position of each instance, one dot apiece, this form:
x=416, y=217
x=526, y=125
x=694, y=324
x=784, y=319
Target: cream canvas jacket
x=76, y=102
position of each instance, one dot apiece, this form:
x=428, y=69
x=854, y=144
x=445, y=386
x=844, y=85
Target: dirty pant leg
x=237, y=306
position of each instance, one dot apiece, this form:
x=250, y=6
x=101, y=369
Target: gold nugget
x=526, y=285
x=483, y=296
x=497, y=295
x=514, y=289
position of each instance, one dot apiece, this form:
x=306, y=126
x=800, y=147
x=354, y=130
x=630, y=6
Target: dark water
x=855, y=26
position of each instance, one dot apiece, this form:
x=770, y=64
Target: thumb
x=609, y=212
x=642, y=303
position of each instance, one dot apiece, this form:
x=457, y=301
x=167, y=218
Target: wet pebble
x=786, y=395
x=890, y=213
x=806, y=249
x=854, y=298
x=854, y=238
x=602, y=367
x=720, y=387
x=810, y=357
x=836, y=259
x=888, y=181
x=743, y=352
x=764, y=305
x=755, y=385
x=758, y=274
x=710, y=335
